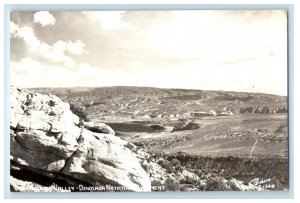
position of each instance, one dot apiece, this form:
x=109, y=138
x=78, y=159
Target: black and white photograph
x=149, y=100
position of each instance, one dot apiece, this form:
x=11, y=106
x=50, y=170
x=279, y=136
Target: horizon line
x=173, y=88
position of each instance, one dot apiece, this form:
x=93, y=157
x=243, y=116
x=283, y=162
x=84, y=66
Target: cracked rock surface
x=45, y=135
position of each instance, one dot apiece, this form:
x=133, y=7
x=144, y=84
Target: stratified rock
x=45, y=136
x=262, y=109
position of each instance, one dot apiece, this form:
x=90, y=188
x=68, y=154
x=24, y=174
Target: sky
x=232, y=50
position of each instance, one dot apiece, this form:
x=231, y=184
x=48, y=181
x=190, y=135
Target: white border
x=296, y=75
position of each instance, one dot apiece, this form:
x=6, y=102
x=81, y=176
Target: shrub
x=80, y=111
x=146, y=167
x=171, y=185
x=179, y=168
x=167, y=165
x=156, y=183
x=216, y=184
x=175, y=162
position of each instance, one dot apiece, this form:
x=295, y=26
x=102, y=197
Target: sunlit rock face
x=46, y=136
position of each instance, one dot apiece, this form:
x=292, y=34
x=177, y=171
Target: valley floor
x=245, y=146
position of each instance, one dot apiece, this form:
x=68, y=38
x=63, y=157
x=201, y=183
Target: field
x=244, y=146
x=243, y=135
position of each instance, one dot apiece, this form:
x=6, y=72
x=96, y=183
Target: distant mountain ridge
x=150, y=102
x=136, y=89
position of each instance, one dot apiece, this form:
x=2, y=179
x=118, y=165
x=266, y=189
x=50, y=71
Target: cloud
x=26, y=66
x=27, y=34
x=92, y=76
x=44, y=18
x=75, y=47
x=53, y=53
x=228, y=50
x=219, y=36
x=135, y=64
x=108, y=20
x=31, y=73
x=13, y=28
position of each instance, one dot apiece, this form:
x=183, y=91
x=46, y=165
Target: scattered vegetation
x=139, y=111
x=80, y=111
x=228, y=167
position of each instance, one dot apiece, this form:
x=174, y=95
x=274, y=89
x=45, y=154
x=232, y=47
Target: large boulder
x=98, y=127
x=189, y=177
x=45, y=136
x=102, y=158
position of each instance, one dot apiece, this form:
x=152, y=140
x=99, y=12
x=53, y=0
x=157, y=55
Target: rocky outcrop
x=45, y=135
x=50, y=144
x=98, y=127
x=230, y=111
x=186, y=126
x=201, y=114
x=260, y=109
